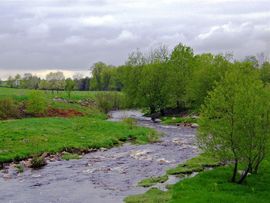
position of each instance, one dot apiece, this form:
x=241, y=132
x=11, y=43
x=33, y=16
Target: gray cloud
x=71, y=35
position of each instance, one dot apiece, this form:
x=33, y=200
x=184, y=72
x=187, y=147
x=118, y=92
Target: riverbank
x=103, y=176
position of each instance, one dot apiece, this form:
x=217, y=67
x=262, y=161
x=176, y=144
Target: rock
x=194, y=125
x=163, y=161
x=177, y=141
x=103, y=149
x=36, y=176
x=7, y=176
x=141, y=155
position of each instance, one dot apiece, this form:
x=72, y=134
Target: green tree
x=96, y=81
x=179, y=70
x=234, y=123
x=56, y=81
x=70, y=84
x=265, y=72
x=208, y=70
x=151, y=87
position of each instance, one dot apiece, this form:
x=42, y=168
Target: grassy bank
x=20, y=139
x=28, y=136
x=211, y=186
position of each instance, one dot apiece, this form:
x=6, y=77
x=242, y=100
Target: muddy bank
x=102, y=176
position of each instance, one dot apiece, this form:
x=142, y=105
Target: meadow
x=32, y=136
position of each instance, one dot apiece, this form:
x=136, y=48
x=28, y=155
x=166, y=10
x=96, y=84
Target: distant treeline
x=158, y=80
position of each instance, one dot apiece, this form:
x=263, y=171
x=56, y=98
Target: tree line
x=162, y=80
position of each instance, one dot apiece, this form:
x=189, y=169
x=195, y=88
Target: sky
x=40, y=36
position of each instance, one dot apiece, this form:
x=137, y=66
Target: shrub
x=107, y=101
x=8, y=109
x=38, y=162
x=37, y=103
x=131, y=122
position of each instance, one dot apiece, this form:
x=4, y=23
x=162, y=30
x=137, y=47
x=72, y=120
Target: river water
x=103, y=176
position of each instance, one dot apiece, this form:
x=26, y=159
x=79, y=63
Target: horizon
x=71, y=36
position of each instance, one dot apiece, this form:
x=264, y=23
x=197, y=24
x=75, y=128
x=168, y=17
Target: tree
x=70, y=84
x=56, y=81
x=253, y=60
x=97, y=70
x=10, y=81
x=136, y=58
x=234, y=123
x=265, y=72
x=179, y=74
x=208, y=69
x=29, y=81
x=151, y=93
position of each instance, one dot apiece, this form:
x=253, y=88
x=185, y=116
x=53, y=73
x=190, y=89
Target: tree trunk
x=152, y=112
x=235, y=170
x=162, y=113
x=244, y=175
x=257, y=164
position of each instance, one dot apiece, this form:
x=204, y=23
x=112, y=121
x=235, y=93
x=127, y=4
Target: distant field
x=21, y=94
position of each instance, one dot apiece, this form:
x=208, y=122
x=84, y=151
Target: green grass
x=148, y=182
x=176, y=120
x=152, y=196
x=195, y=164
x=23, y=138
x=22, y=94
x=212, y=186
x=68, y=156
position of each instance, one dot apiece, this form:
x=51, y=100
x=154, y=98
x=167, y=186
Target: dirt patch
x=63, y=113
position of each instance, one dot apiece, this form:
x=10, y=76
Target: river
x=103, y=176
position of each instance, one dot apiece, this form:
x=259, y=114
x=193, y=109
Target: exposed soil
x=63, y=113
x=52, y=112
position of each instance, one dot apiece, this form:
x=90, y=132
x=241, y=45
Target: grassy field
x=21, y=94
x=211, y=186
x=22, y=138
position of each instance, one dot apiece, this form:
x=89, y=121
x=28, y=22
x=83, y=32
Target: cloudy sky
x=43, y=35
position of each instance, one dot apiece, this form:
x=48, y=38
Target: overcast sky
x=41, y=35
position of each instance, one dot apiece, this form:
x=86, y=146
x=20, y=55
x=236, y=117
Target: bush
x=107, y=101
x=8, y=109
x=38, y=162
x=37, y=103
x=131, y=122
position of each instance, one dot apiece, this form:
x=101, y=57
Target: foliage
x=37, y=103
x=195, y=164
x=38, y=162
x=68, y=156
x=19, y=168
x=176, y=120
x=148, y=182
x=234, y=122
x=212, y=186
x=70, y=84
x=55, y=81
x=131, y=122
x=180, y=69
x=109, y=101
x=265, y=72
x=8, y=108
